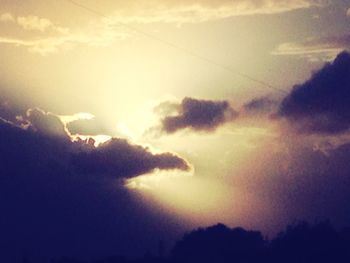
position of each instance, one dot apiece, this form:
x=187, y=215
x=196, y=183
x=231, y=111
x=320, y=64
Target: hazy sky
x=202, y=92
x=57, y=53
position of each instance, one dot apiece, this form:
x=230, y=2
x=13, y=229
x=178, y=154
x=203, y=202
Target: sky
x=140, y=120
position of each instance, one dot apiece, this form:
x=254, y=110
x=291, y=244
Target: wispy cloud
x=204, y=10
x=51, y=38
x=7, y=17
x=32, y=23
x=325, y=47
x=48, y=37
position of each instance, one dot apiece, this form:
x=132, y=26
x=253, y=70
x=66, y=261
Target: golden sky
x=115, y=62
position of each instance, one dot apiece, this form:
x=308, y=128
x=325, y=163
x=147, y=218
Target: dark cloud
x=23, y=150
x=34, y=119
x=10, y=110
x=44, y=134
x=321, y=104
x=48, y=210
x=199, y=115
x=119, y=158
x=5, y=110
x=51, y=208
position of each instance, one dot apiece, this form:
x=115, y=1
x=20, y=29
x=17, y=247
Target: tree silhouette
x=299, y=243
x=303, y=242
x=219, y=244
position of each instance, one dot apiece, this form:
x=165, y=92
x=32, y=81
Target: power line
x=183, y=49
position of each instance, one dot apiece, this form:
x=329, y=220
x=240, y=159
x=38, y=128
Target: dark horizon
x=301, y=242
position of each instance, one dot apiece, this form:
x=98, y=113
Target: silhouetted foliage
x=66, y=260
x=309, y=243
x=114, y=259
x=299, y=243
x=219, y=244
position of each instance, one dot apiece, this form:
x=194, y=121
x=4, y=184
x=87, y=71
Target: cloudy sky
x=140, y=120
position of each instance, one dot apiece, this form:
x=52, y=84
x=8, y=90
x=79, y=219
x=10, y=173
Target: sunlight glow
x=192, y=198
x=155, y=179
x=77, y=116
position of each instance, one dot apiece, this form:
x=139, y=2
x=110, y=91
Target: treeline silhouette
x=299, y=243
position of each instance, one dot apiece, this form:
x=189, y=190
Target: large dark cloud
x=50, y=207
x=321, y=104
x=119, y=158
x=5, y=110
x=199, y=115
x=40, y=134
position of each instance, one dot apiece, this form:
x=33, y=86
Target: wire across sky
x=262, y=84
